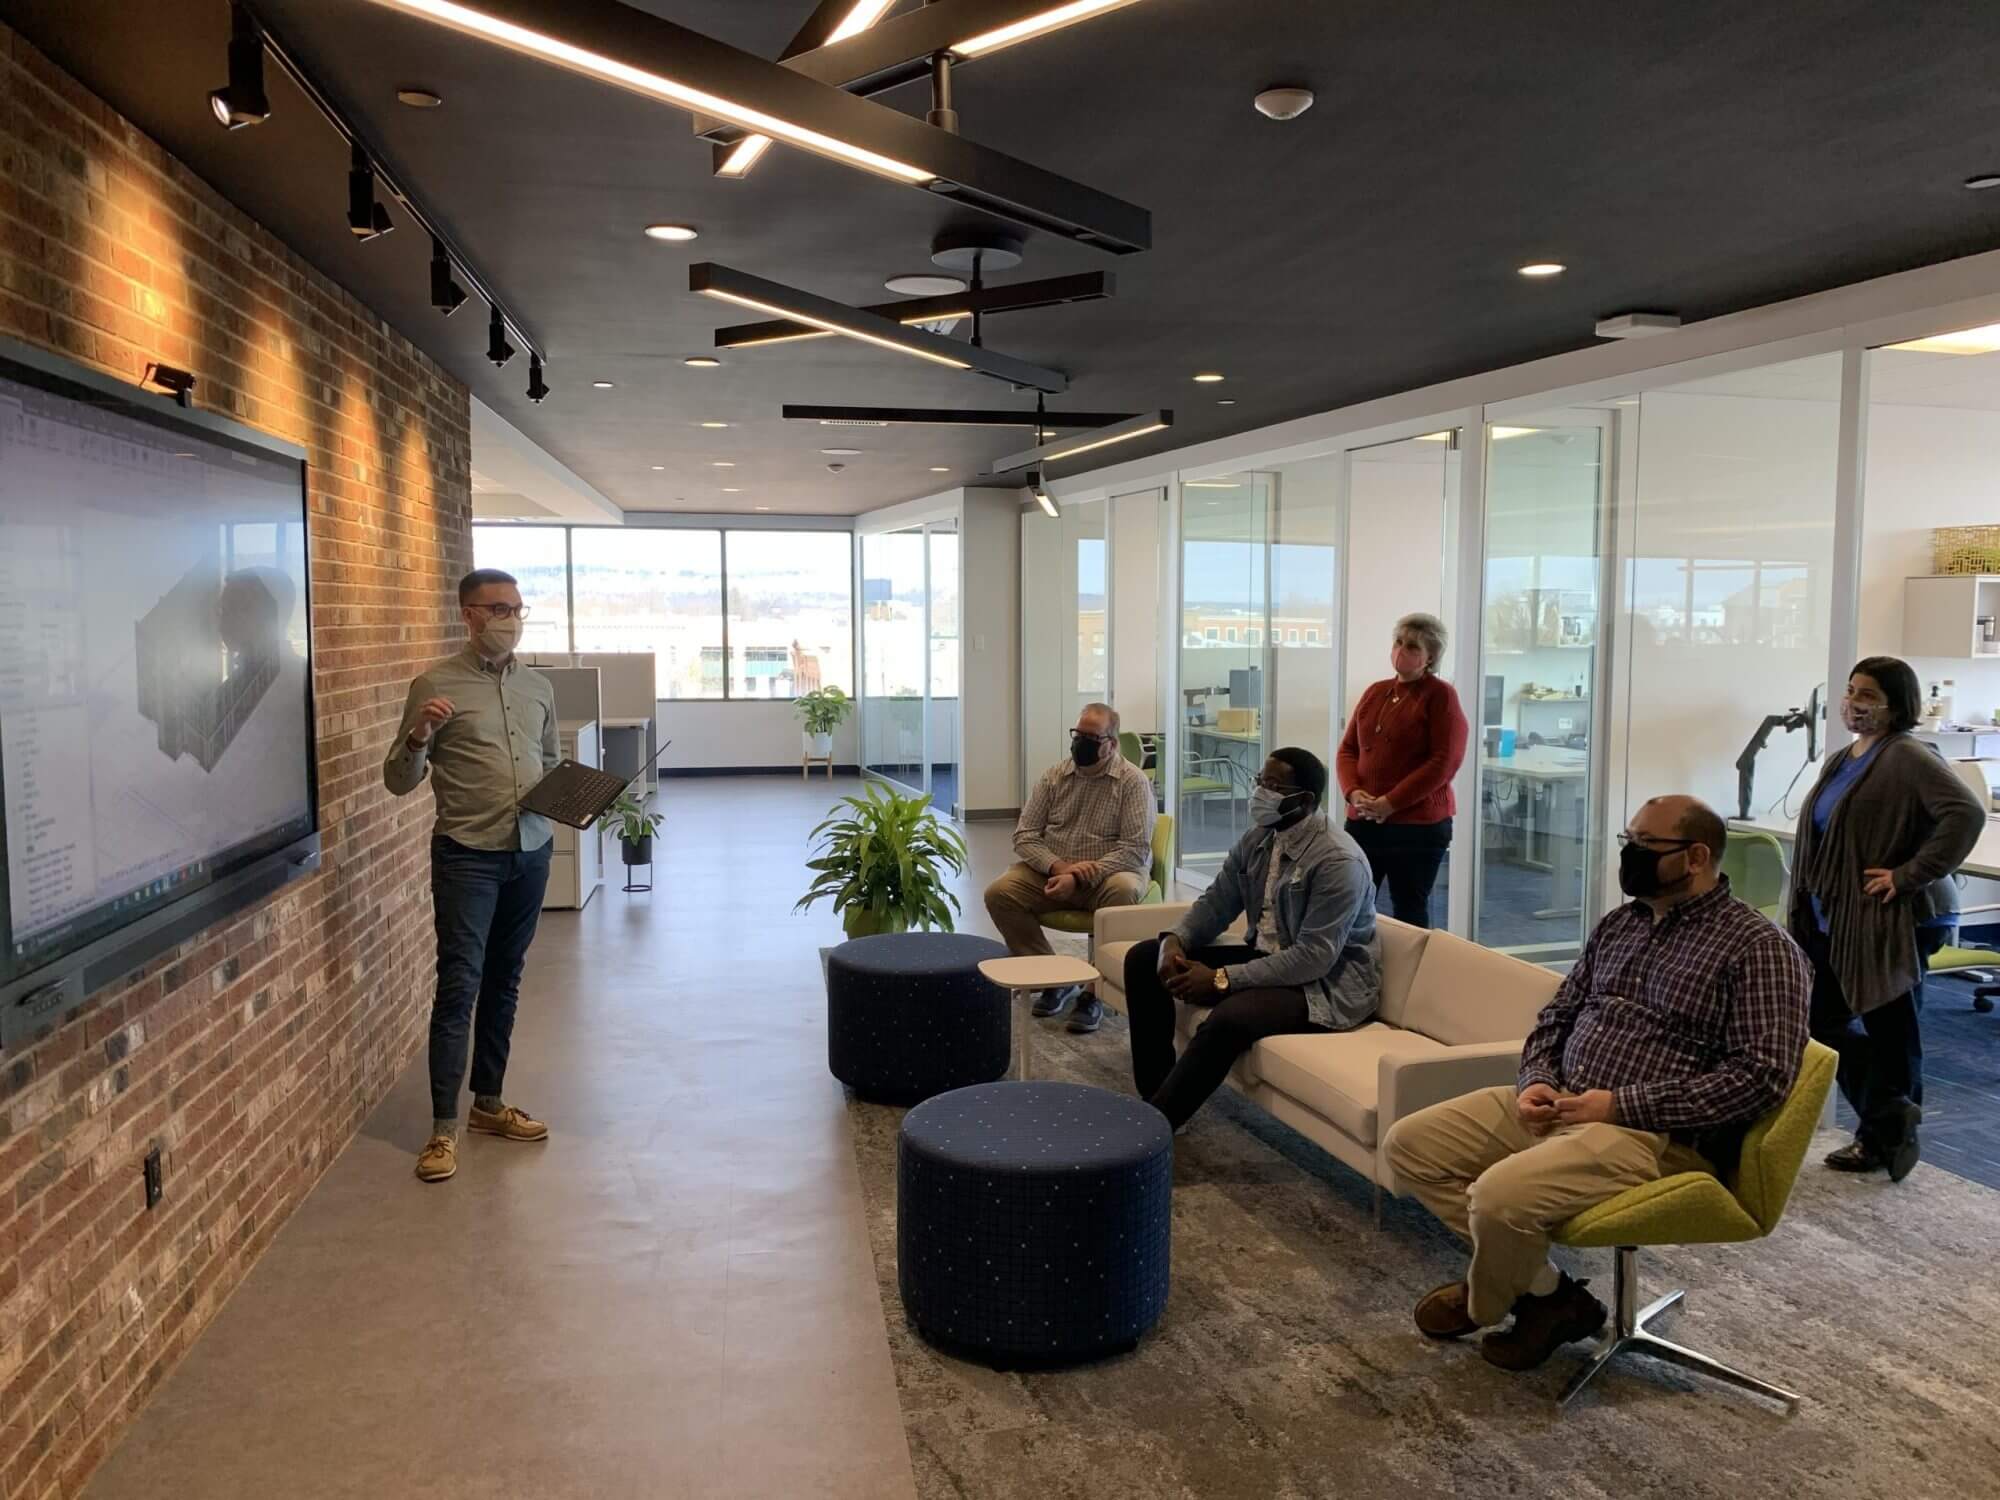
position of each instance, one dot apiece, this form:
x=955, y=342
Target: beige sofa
x=1453, y=1018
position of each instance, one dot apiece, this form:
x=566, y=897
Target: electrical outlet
x=154, y=1186
x=1564, y=726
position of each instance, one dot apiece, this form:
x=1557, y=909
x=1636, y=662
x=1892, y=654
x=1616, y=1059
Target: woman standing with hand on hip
x=1886, y=825
x=1404, y=743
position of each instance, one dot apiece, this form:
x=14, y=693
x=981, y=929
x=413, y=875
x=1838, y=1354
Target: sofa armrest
x=1134, y=924
x=1408, y=1082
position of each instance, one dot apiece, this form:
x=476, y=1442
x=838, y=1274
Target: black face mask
x=1639, y=871
x=1084, y=750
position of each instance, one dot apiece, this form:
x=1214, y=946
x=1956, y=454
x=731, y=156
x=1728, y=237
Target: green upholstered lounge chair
x=1695, y=1208
x=1162, y=877
x=1755, y=864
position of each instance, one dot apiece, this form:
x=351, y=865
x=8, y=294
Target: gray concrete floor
x=671, y=1297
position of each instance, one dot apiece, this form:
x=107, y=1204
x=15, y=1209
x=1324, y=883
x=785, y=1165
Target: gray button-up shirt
x=485, y=757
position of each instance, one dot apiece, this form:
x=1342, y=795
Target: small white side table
x=1023, y=977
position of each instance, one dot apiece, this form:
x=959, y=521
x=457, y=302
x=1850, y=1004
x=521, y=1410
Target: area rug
x=1286, y=1365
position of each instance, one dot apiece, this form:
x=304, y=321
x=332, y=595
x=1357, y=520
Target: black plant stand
x=636, y=854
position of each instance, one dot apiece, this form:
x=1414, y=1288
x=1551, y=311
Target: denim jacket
x=1326, y=923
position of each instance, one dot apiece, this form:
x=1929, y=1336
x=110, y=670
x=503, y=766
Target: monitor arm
x=1746, y=763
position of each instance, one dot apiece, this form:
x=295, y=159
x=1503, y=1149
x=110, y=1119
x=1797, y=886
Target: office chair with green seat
x=1754, y=861
x=1695, y=1208
x=1162, y=877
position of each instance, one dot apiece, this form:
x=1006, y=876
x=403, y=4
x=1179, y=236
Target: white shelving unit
x=1941, y=616
x=576, y=865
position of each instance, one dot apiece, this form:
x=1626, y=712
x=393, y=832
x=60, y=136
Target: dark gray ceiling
x=1693, y=156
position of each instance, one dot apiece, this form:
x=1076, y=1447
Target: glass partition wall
x=910, y=658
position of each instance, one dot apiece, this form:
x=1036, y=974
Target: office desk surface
x=1539, y=763
x=627, y=723
x=1234, y=736
x=1983, y=860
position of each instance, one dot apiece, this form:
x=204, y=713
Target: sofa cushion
x=1334, y=1075
x=1110, y=961
x=1402, y=949
x=1465, y=993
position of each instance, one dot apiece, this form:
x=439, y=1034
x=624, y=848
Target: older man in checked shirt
x=1681, y=1024
x=1084, y=840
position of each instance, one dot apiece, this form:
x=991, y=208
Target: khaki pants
x=1016, y=903
x=1474, y=1164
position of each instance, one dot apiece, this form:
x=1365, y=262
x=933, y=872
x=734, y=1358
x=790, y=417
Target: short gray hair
x=1429, y=631
x=1110, y=713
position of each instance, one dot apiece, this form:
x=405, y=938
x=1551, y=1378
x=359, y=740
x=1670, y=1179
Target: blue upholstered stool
x=909, y=1015
x=1033, y=1221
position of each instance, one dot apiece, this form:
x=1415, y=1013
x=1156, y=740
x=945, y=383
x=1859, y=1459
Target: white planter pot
x=818, y=746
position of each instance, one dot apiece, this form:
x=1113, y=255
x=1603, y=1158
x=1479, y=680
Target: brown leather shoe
x=1442, y=1314
x=506, y=1122
x=1543, y=1325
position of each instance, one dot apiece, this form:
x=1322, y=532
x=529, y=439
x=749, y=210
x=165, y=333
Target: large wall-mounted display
x=156, y=725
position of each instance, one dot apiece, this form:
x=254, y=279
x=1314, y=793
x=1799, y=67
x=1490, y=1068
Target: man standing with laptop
x=483, y=727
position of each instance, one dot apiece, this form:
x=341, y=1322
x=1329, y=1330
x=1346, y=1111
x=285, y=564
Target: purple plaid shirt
x=1694, y=1022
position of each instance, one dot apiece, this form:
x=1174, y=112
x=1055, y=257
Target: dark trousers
x=487, y=901
x=1241, y=1019
x=1408, y=856
x=1881, y=1053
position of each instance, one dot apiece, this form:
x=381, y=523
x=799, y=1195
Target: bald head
x=1682, y=842
x=1680, y=816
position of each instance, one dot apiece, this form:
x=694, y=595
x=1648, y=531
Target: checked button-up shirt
x=1695, y=1022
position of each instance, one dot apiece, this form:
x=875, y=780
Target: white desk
x=1563, y=774
x=1984, y=860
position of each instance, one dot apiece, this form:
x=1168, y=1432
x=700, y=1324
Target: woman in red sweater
x=1404, y=744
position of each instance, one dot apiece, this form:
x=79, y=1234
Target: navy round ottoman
x=909, y=1015
x=1033, y=1221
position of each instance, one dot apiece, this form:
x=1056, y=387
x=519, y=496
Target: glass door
x=1225, y=588
x=941, y=711
x=1539, y=784
x=1138, y=666
x=894, y=656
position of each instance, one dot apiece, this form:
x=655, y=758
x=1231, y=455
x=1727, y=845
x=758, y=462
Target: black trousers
x=1177, y=1087
x=1881, y=1053
x=1408, y=856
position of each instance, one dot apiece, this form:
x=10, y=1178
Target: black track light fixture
x=538, y=388
x=367, y=219
x=497, y=348
x=447, y=296
x=242, y=101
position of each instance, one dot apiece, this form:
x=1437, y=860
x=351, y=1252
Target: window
x=1230, y=634
x=536, y=556
x=791, y=612
x=1292, y=636
x=790, y=595
x=1256, y=636
x=1312, y=637
x=657, y=591
x=1211, y=633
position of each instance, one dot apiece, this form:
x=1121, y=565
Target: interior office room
x=740, y=479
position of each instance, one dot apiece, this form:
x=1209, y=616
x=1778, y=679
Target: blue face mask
x=1270, y=809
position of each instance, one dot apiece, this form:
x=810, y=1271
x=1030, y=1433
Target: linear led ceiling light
x=833, y=21
x=1087, y=442
x=938, y=416
x=777, y=300
x=1022, y=296
x=1966, y=341
x=242, y=101
x=635, y=50
x=1042, y=496
x=1054, y=18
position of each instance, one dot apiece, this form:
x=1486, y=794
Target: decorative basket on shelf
x=1965, y=549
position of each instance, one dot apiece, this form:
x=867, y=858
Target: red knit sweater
x=1407, y=749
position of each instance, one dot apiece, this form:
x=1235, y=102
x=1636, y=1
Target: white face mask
x=498, y=640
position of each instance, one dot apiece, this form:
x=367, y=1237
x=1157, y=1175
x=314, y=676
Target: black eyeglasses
x=1661, y=846
x=1085, y=734
x=502, y=611
x=1282, y=788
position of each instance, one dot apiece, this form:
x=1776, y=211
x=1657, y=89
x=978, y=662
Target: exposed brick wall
x=252, y=1054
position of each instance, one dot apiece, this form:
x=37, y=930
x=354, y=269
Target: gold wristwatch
x=1222, y=981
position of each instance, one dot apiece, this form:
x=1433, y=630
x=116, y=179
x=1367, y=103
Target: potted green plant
x=822, y=711
x=884, y=861
x=636, y=827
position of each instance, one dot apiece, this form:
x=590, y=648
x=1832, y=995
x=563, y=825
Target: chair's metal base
x=1629, y=1335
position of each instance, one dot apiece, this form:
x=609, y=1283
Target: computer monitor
x=1246, y=687
x=1496, y=700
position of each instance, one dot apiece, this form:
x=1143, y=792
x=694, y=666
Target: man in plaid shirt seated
x=1084, y=840
x=1683, y=1022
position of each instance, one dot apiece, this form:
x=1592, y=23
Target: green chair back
x=1754, y=861
x=1131, y=749
x=1163, y=858
x=1776, y=1146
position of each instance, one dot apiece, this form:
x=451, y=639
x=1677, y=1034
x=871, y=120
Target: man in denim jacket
x=1314, y=962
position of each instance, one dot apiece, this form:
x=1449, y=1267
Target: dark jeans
x=488, y=901
x=1408, y=856
x=1177, y=1088
x=1881, y=1053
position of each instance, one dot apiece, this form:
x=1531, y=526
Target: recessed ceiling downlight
x=702, y=362
x=1982, y=182
x=841, y=452
x=1541, y=268
x=678, y=234
x=418, y=98
x=924, y=285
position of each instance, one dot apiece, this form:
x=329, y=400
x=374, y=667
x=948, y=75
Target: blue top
x=1829, y=798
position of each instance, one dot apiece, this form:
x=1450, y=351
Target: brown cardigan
x=1908, y=813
